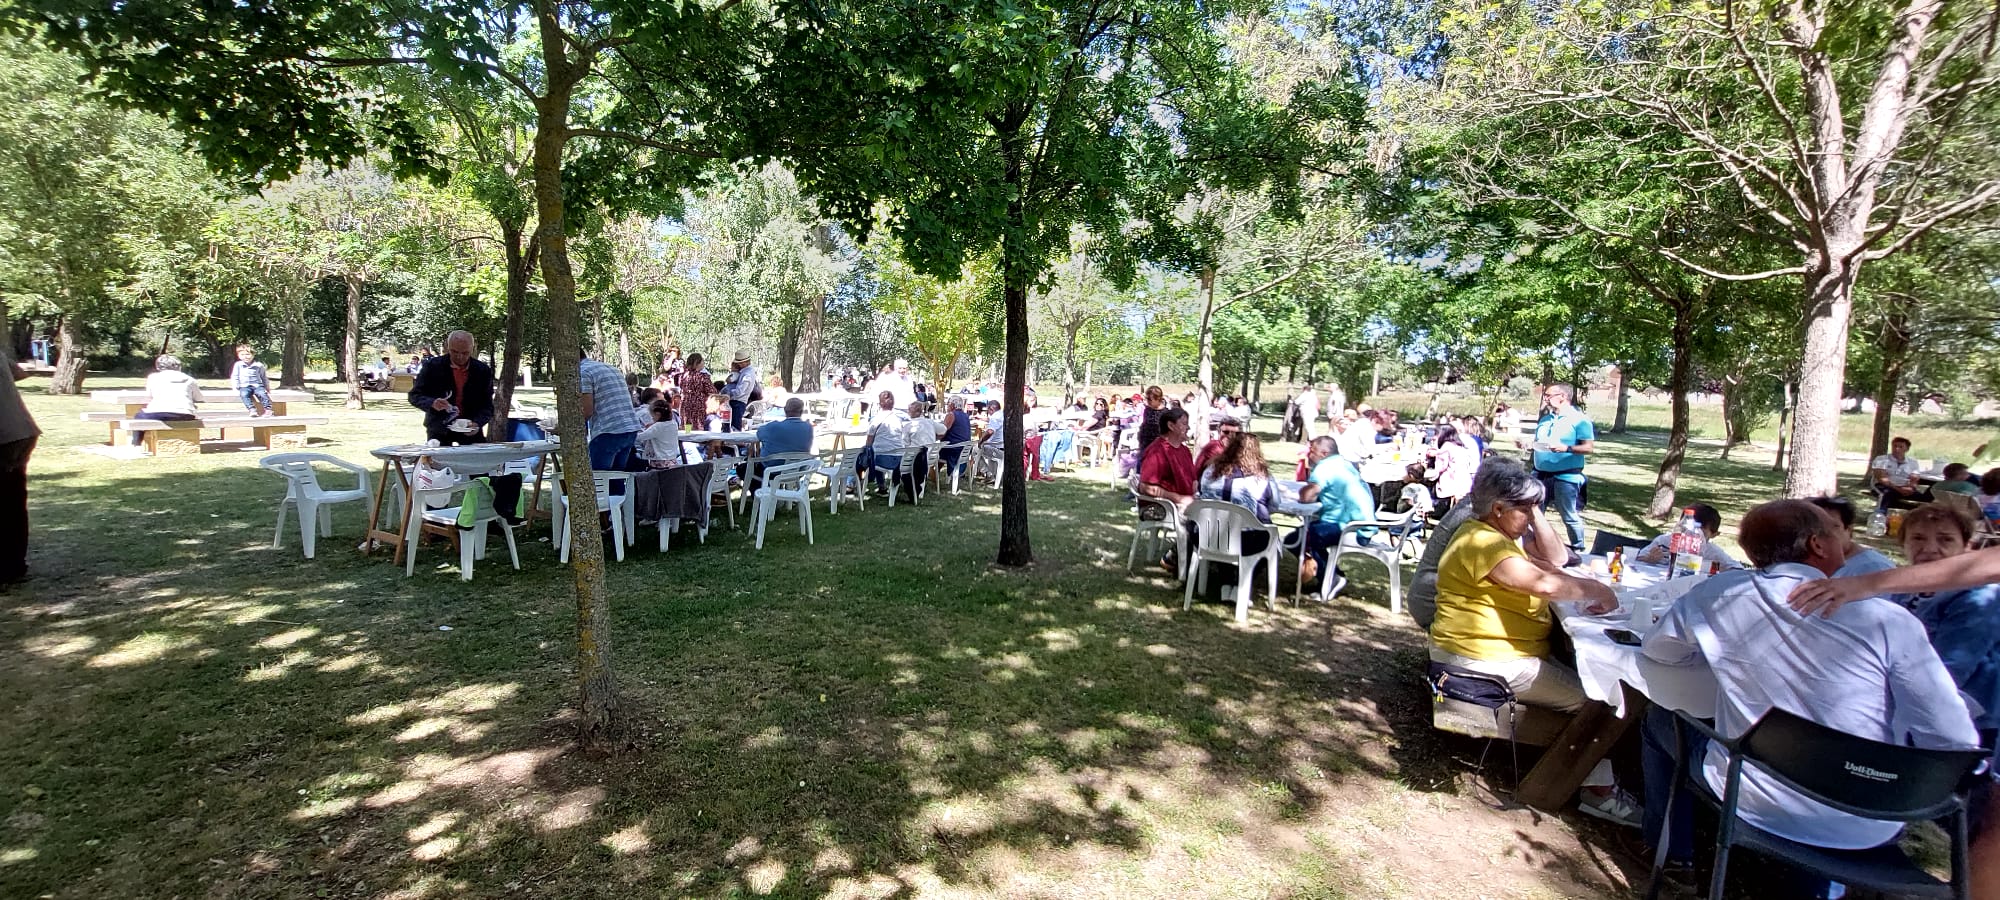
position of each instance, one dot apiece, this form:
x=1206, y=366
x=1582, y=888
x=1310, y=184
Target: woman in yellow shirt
x=1493, y=612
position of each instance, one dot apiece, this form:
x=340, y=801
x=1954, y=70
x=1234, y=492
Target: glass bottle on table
x=1617, y=565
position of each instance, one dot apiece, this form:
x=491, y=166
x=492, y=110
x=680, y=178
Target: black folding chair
x=1606, y=541
x=1854, y=775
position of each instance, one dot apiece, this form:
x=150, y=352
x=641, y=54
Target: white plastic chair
x=784, y=484
x=939, y=464
x=986, y=463
x=906, y=461
x=618, y=505
x=1385, y=547
x=839, y=470
x=718, y=483
x=768, y=462
x=1219, y=528
x=313, y=501
x=1155, y=532
x=471, y=543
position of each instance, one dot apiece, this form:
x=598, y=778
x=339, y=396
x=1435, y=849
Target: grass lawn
x=190, y=713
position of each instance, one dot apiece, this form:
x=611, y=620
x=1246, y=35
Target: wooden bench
x=183, y=438
x=226, y=405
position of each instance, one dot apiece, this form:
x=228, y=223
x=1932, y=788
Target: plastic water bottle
x=1684, y=548
x=1878, y=522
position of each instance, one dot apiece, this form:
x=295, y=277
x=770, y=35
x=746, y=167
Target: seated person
x=659, y=443
x=920, y=437
x=1225, y=428
x=1167, y=472
x=1964, y=624
x=1865, y=669
x=1422, y=596
x=883, y=450
x=1860, y=560
x=1493, y=613
x=1657, y=552
x=1893, y=475
x=1239, y=475
x=957, y=430
x=791, y=434
x=1957, y=480
x=1343, y=498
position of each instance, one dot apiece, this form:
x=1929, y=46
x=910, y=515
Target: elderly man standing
x=897, y=382
x=740, y=386
x=455, y=391
x=1866, y=669
x=610, y=419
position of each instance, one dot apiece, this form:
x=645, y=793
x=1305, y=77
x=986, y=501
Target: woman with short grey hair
x=171, y=395
x=1493, y=614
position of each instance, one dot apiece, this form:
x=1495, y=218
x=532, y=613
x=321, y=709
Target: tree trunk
x=602, y=719
x=788, y=348
x=1204, y=379
x=350, y=347
x=624, y=350
x=1822, y=372
x=520, y=267
x=68, y=376
x=1784, y=433
x=1678, y=383
x=1895, y=360
x=293, y=357
x=1069, y=366
x=1016, y=261
x=1624, y=398
x=1257, y=387
x=812, y=339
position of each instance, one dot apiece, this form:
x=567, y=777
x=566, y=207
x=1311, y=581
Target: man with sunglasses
x=1225, y=428
x=1564, y=438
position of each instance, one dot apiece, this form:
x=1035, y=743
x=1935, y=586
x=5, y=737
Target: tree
x=1016, y=123
x=620, y=97
x=942, y=319
x=1763, y=98
x=87, y=192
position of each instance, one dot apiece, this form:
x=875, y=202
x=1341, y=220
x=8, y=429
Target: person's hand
x=439, y=404
x=1600, y=596
x=1823, y=596
x=1651, y=555
x=1558, y=448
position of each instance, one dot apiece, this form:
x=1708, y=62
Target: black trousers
x=14, y=508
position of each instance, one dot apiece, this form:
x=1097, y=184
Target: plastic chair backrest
x=790, y=476
x=1607, y=541
x=718, y=479
x=1219, y=525
x=1856, y=775
x=846, y=461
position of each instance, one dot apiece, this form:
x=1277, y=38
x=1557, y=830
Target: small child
x=1710, y=520
x=251, y=381
x=660, y=442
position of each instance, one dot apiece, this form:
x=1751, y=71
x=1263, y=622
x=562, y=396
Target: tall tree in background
x=1017, y=122
x=1801, y=110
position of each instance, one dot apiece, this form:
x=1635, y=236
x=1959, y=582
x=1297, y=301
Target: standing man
x=897, y=382
x=17, y=440
x=1308, y=404
x=455, y=391
x=740, y=386
x=1564, y=436
x=610, y=420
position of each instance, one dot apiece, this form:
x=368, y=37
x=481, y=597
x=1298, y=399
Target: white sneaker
x=1616, y=807
x=1339, y=584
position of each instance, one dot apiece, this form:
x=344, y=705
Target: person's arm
x=1877, y=476
x=1823, y=596
x=193, y=392
x=1545, y=545
x=589, y=404
x=1521, y=574
x=1671, y=642
x=424, y=394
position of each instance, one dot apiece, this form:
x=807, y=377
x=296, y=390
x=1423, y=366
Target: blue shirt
x=786, y=435
x=958, y=427
x=615, y=413
x=1343, y=496
x=1569, y=429
x=1964, y=627
x=1865, y=561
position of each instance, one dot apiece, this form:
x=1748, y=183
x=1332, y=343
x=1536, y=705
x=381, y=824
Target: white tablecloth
x=1602, y=664
x=726, y=437
x=469, y=459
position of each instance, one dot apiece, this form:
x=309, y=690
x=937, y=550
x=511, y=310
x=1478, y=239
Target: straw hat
x=742, y=358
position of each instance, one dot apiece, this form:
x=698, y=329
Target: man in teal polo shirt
x=1564, y=437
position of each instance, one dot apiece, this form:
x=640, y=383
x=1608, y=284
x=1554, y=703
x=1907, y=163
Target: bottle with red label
x=1684, y=547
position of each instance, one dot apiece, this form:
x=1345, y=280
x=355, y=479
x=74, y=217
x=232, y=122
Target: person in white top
x=1866, y=669
x=1308, y=406
x=660, y=441
x=1354, y=439
x=886, y=431
x=898, y=383
x=1710, y=520
x=1894, y=477
x=171, y=395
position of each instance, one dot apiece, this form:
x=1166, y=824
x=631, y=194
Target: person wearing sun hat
x=741, y=388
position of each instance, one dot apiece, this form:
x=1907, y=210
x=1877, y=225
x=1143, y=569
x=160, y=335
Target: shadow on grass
x=878, y=714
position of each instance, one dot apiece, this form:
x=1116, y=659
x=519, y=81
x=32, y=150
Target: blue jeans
x=253, y=392
x=1054, y=445
x=1319, y=538
x=612, y=452
x=882, y=464
x=1563, y=499
x=736, y=410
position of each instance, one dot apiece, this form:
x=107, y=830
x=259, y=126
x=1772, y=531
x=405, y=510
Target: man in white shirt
x=1308, y=404
x=898, y=383
x=887, y=429
x=1894, y=477
x=1867, y=669
x=1354, y=438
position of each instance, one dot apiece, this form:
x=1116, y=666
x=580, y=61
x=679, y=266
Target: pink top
x=1457, y=464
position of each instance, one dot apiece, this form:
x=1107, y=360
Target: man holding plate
x=1564, y=437
x=455, y=391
